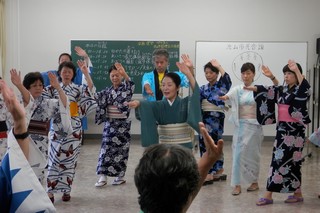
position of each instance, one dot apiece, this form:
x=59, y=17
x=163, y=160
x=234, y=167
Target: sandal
x=100, y=183
x=264, y=201
x=236, y=191
x=293, y=199
x=207, y=182
x=51, y=197
x=118, y=182
x=252, y=188
x=66, y=197
x=219, y=177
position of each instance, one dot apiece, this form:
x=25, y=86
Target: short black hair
x=67, y=54
x=67, y=64
x=248, y=66
x=166, y=176
x=211, y=67
x=30, y=78
x=175, y=78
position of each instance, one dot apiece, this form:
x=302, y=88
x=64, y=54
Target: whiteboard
x=232, y=55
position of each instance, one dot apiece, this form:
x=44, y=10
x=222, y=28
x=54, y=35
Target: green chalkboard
x=135, y=56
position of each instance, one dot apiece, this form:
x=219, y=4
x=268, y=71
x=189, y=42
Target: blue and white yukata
x=213, y=114
x=247, y=138
x=45, y=110
x=114, y=112
x=64, y=150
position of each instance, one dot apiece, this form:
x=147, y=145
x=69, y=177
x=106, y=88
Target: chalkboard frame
x=103, y=53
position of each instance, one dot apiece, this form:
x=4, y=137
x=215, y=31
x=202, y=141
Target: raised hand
x=53, y=80
x=80, y=52
x=122, y=71
x=15, y=77
x=213, y=151
x=183, y=68
x=186, y=60
x=83, y=67
x=215, y=63
x=293, y=66
x=120, y=68
x=18, y=114
x=266, y=71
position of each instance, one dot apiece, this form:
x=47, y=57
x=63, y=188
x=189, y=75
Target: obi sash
x=113, y=112
x=3, y=129
x=206, y=106
x=39, y=127
x=283, y=114
x=175, y=133
x=247, y=112
x=74, y=109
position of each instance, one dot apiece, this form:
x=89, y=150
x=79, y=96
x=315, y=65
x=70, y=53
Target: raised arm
x=122, y=71
x=19, y=117
x=212, y=154
x=84, y=69
x=82, y=53
x=16, y=80
x=187, y=61
x=185, y=70
x=293, y=67
x=55, y=83
x=267, y=72
x=216, y=64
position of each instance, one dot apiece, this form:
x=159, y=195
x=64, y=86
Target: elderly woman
x=114, y=112
x=64, y=150
x=43, y=110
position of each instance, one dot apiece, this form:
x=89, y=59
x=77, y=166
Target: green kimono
x=161, y=113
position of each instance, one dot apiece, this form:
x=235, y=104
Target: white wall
x=39, y=30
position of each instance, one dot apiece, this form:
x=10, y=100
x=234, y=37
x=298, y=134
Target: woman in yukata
x=65, y=148
x=291, y=98
x=113, y=110
x=213, y=112
x=43, y=110
x=248, y=133
x=173, y=114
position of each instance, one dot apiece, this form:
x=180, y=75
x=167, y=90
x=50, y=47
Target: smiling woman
x=173, y=115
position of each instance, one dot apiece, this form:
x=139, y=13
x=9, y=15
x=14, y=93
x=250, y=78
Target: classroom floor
x=85, y=197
